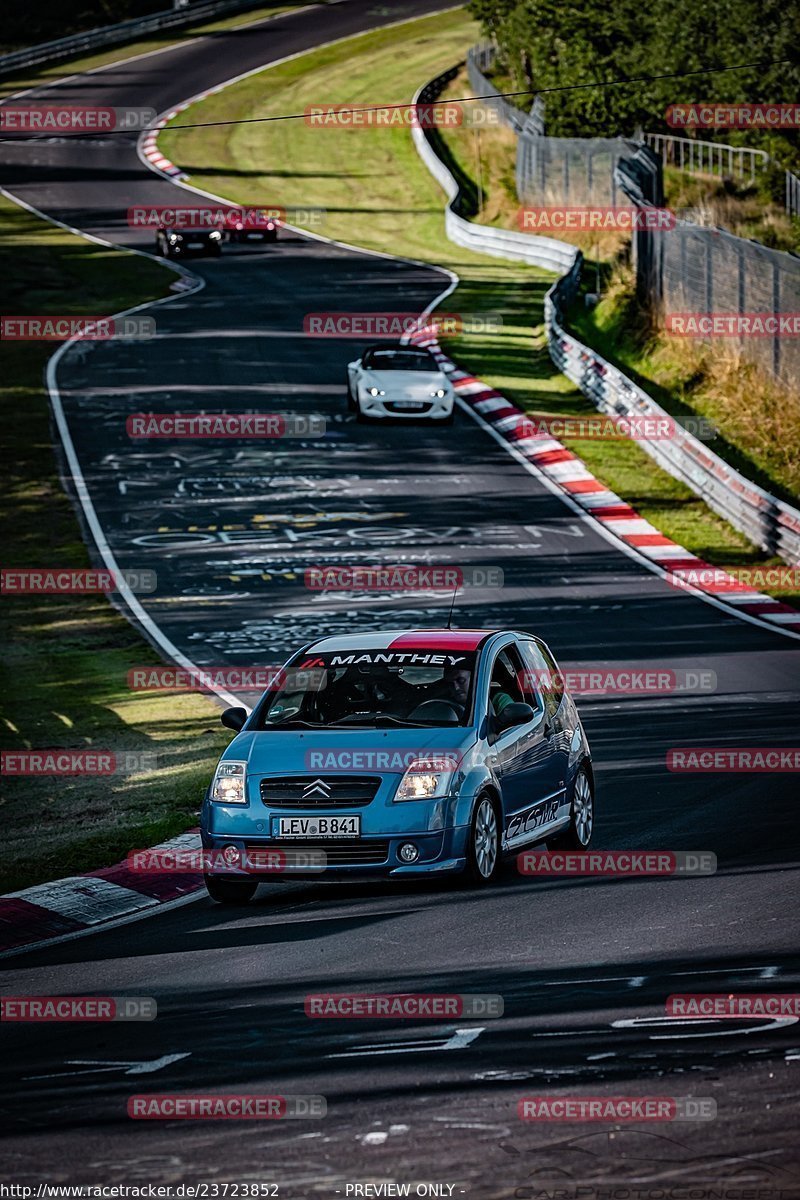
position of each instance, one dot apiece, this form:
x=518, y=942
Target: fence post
x=741, y=289
x=776, y=308
x=709, y=275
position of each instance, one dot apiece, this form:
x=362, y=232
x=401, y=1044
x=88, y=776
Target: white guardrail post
x=770, y=523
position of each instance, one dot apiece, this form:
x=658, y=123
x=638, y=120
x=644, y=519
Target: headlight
x=229, y=783
x=215, y=234
x=439, y=393
x=427, y=778
x=174, y=237
x=373, y=391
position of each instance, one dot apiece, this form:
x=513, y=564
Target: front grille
x=394, y=407
x=344, y=791
x=339, y=852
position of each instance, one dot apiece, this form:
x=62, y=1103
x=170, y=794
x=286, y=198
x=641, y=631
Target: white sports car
x=393, y=380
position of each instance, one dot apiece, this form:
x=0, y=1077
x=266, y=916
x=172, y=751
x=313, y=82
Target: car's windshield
x=371, y=688
x=398, y=358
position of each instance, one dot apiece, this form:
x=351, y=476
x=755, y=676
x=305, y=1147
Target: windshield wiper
x=378, y=719
x=297, y=722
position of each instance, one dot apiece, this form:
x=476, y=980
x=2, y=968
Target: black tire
x=447, y=420
x=482, y=869
x=230, y=891
x=361, y=417
x=578, y=835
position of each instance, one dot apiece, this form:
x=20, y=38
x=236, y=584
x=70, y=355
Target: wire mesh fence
x=569, y=171
x=479, y=60
x=710, y=285
x=723, y=288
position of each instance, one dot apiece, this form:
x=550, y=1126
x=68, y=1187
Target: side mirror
x=514, y=714
x=234, y=718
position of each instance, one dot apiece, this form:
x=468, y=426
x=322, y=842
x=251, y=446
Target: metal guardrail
x=688, y=154
x=769, y=523
x=485, y=239
x=709, y=158
x=112, y=35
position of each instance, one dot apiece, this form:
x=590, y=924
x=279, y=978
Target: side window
x=505, y=684
x=543, y=675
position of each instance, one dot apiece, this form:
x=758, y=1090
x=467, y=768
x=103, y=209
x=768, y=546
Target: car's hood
x=411, y=385
x=354, y=751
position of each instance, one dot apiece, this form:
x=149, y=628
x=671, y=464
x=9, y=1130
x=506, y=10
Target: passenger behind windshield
x=399, y=360
x=373, y=693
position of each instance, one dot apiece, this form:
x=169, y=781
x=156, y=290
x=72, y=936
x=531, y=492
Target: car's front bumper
x=440, y=853
x=433, y=408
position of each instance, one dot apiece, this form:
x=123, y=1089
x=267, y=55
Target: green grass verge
x=52, y=72
x=64, y=681
x=379, y=195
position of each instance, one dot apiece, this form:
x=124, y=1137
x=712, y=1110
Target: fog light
x=231, y=855
x=408, y=852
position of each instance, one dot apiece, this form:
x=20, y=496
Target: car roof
x=395, y=346
x=399, y=639
x=200, y=232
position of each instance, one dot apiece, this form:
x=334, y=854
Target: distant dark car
x=267, y=232
x=180, y=243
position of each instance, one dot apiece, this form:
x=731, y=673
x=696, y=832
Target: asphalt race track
x=584, y=966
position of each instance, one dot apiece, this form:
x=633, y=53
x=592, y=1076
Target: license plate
x=318, y=827
x=195, y=245
x=253, y=237
x=409, y=404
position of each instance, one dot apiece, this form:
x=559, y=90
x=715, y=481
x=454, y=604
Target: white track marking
x=99, y=1068
x=679, y=1022
x=458, y=1040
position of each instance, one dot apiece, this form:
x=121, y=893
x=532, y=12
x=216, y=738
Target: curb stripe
x=572, y=476
x=83, y=902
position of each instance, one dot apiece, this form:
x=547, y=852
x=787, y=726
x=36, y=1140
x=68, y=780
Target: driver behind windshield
x=412, y=690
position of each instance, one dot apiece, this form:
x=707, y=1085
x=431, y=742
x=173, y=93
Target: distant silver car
x=392, y=380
